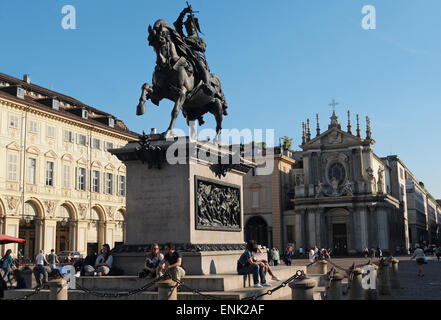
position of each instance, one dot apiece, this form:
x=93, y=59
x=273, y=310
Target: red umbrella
x=4, y=239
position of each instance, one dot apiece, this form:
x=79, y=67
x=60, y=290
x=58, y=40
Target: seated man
x=246, y=265
x=103, y=263
x=154, y=259
x=172, y=263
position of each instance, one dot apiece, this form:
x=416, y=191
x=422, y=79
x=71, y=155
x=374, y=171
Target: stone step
x=209, y=283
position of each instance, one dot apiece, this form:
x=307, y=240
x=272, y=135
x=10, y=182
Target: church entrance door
x=340, y=239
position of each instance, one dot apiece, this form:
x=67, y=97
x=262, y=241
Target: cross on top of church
x=333, y=104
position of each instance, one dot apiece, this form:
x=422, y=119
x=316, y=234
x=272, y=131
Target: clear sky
x=280, y=62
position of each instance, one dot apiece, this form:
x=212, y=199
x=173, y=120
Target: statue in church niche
x=380, y=183
x=334, y=185
x=348, y=188
x=182, y=74
x=320, y=190
x=217, y=206
x=371, y=180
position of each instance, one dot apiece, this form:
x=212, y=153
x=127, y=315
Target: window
x=13, y=121
x=255, y=200
x=95, y=181
x=33, y=126
x=50, y=173
x=109, y=145
x=12, y=167
x=96, y=143
x=82, y=139
x=81, y=179
x=401, y=173
x=50, y=132
x=337, y=171
x=32, y=166
x=122, y=186
x=109, y=183
x=66, y=176
x=67, y=136
x=20, y=93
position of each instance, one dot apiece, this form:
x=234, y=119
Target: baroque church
x=343, y=197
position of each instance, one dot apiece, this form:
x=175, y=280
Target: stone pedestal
x=383, y=278
x=356, y=291
x=333, y=286
x=303, y=289
x=167, y=290
x=57, y=289
x=184, y=192
x=393, y=274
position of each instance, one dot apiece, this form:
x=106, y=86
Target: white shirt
x=39, y=259
x=419, y=254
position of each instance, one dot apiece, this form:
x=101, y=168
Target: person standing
x=366, y=252
x=41, y=269
x=53, y=260
x=301, y=252
x=7, y=263
x=438, y=252
x=420, y=259
x=276, y=257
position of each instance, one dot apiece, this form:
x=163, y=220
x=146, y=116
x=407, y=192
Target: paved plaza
x=412, y=286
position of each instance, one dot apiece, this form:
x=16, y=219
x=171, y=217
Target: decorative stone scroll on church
x=343, y=194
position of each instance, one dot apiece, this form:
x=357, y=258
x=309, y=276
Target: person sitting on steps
x=172, y=263
x=246, y=265
x=154, y=259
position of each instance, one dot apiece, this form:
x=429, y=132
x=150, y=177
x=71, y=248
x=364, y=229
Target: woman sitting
x=103, y=263
x=154, y=259
x=246, y=265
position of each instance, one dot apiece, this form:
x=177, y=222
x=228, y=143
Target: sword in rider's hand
x=195, y=27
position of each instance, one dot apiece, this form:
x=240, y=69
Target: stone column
x=383, y=228
x=364, y=232
x=303, y=289
x=73, y=231
x=101, y=233
x=39, y=235
x=373, y=227
x=318, y=228
x=312, y=239
x=299, y=232
x=167, y=290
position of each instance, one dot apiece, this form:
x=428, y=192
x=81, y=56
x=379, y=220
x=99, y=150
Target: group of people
x=157, y=264
x=373, y=252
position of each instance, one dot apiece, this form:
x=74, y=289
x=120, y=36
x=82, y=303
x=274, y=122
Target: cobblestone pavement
x=412, y=286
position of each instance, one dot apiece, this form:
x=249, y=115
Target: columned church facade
x=343, y=195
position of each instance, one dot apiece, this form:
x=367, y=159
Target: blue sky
x=280, y=62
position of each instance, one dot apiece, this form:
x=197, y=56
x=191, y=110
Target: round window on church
x=337, y=171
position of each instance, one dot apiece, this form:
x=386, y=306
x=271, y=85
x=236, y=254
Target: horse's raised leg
x=175, y=112
x=140, y=109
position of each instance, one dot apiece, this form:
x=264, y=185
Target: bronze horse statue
x=176, y=78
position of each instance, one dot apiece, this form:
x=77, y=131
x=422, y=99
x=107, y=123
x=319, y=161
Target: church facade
x=343, y=194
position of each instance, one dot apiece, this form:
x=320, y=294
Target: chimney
x=27, y=78
x=153, y=131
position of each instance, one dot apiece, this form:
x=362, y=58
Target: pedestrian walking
x=438, y=252
x=53, y=260
x=276, y=257
x=420, y=259
x=7, y=263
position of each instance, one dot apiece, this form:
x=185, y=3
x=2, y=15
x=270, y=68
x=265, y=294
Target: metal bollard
x=333, y=287
x=383, y=278
x=356, y=288
x=57, y=289
x=303, y=289
x=322, y=267
x=372, y=294
x=393, y=269
x=167, y=290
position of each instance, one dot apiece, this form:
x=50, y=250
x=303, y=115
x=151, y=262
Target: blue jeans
x=7, y=275
x=256, y=270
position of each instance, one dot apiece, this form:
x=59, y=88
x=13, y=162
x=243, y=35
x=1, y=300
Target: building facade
x=59, y=186
x=343, y=197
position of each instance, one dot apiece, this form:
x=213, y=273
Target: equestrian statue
x=182, y=74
